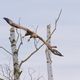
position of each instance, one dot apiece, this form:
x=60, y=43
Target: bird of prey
x=32, y=35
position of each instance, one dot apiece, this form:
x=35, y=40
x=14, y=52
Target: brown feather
x=32, y=35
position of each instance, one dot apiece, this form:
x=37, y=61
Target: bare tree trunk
x=48, y=56
x=15, y=55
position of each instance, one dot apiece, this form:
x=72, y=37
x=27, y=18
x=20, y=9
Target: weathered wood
x=48, y=55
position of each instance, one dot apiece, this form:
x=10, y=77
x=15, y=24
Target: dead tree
x=48, y=55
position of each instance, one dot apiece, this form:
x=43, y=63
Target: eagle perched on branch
x=32, y=35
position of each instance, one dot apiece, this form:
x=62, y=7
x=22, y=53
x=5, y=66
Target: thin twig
x=30, y=55
x=56, y=21
x=5, y=50
x=43, y=43
x=31, y=73
x=19, y=34
x=21, y=37
x=20, y=44
x=36, y=29
x=3, y=73
x=8, y=72
x=40, y=78
x=35, y=40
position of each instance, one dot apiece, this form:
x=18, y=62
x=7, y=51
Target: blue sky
x=66, y=37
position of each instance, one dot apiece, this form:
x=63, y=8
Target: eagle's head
x=8, y=20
